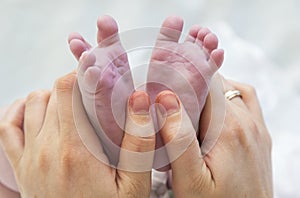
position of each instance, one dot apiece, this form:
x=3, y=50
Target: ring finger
x=232, y=95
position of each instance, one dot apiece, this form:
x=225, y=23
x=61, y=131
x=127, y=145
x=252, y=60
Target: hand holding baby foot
x=238, y=165
x=61, y=165
x=185, y=68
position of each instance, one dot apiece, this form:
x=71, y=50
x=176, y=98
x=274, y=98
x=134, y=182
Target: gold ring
x=229, y=95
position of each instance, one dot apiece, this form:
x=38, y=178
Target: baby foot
x=105, y=82
x=185, y=68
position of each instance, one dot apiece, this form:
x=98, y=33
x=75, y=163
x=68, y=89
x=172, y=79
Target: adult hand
x=49, y=159
x=239, y=162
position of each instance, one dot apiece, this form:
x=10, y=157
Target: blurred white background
x=261, y=41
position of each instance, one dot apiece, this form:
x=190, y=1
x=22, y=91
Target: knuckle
x=132, y=188
x=69, y=157
x=44, y=159
x=253, y=127
x=251, y=90
x=235, y=132
x=235, y=127
x=39, y=95
x=140, y=144
x=65, y=83
x=197, y=182
x=4, y=127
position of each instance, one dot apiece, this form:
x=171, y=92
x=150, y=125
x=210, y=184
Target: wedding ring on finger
x=230, y=94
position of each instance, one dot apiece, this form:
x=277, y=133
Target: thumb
x=137, y=149
x=179, y=136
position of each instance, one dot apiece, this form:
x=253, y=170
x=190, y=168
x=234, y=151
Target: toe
x=77, y=47
x=77, y=36
x=216, y=59
x=107, y=28
x=91, y=78
x=171, y=29
x=74, y=35
x=210, y=42
x=193, y=33
x=201, y=34
x=77, y=44
x=86, y=60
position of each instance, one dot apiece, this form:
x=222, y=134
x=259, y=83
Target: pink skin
x=196, y=59
x=8, y=185
x=200, y=47
x=189, y=66
x=104, y=78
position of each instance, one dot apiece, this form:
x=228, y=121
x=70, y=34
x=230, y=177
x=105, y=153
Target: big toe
x=171, y=29
x=107, y=27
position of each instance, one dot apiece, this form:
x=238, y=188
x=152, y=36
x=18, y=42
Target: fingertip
x=139, y=103
x=138, y=143
x=168, y=102
x=139, y=120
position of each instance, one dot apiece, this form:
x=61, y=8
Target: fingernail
x=139, y=103
x=169, y=102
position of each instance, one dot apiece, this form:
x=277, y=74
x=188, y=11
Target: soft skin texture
x=104, y=74
x=6, y=192
x=185, y=68
x=238, y=165
x=189, y=66
x=61, y=165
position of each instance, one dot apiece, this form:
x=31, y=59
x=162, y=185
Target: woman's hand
x=49, y=159
x=239, y=161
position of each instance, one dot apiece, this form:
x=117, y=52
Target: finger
x=64, y=93
x=35, y=111
x=236, y=100
x=86, y=131
x=11, y=131
x=249, y=97
x=180, y=139
x=51, y=117
x=137, y=153
x=213, y=114
x=2, y=112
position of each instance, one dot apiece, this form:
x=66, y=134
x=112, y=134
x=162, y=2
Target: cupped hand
x=239, y=161
x=40, y=138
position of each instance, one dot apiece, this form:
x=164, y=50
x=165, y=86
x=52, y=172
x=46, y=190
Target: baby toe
x=77, y=47
x=193, y=33
x=91, y=78
x=86, y=60
x=216, y=59
x=201, y=35
x=210, y=42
